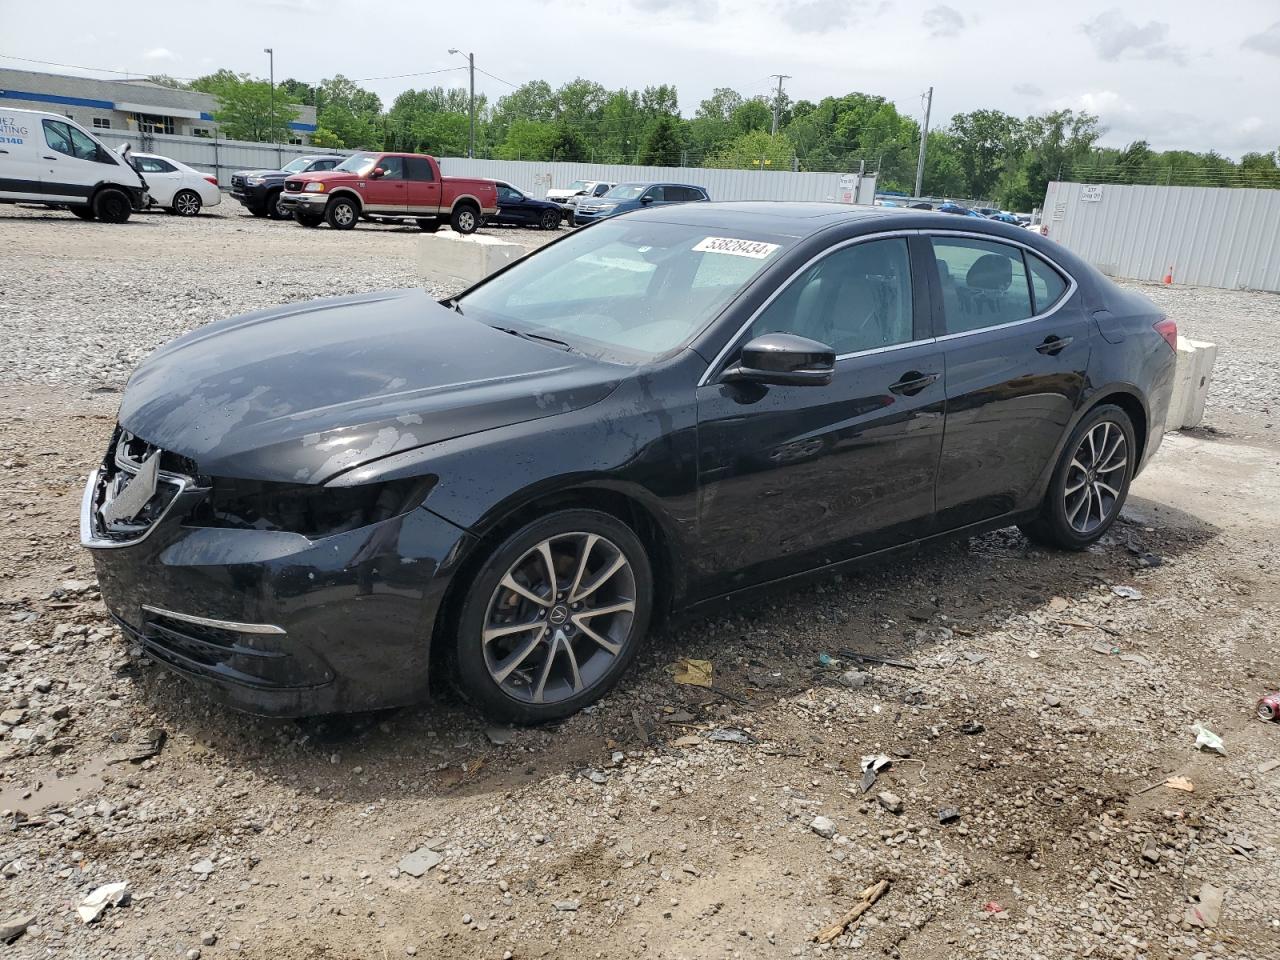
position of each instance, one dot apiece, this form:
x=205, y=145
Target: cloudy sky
x=1175, y=73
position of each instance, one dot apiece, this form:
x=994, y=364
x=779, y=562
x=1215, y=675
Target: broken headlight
x=309, y=509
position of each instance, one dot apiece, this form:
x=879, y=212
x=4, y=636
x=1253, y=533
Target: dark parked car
x=518, y=209
x=259, y=190
x=1003, y=217
x=633, y=196
x=959, y=209
x=313, y=508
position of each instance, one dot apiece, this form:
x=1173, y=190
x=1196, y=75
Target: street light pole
x=271, y=53
x=471, y=63
x=924, y=142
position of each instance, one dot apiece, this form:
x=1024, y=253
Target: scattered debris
x=730, y=735
x=1181, y=783
x=948, y=815
x=687, y=741
x=14, y=927
x=1207, y=912
x=1058, y=604
x=499, y=736
x=828, y=661
x=890, y=801
x=870, y=658
x=420, y=861
x=1269, y=707
x=203, y=868
x=824, y=827
x=1104, y=648
x=108, y=895
x=567, y=906
x=1151, y=853
x=1128, y=593
x=871, y=766
x=142, y=746
x=1206, y=739
x=1268, y=766
x=865, y=900
x=854, y=679
x=972, y=729
x=696, y=673
x=992, y=907
x=975, y=657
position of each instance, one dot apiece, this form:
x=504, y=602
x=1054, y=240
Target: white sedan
x=175, y=186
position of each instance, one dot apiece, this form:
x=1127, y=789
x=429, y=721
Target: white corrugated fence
x=1205, y=236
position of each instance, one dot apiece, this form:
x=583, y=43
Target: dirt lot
x=1045, y=709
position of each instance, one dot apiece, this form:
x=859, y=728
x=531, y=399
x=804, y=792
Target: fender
x=466, y=198
x=345, y=191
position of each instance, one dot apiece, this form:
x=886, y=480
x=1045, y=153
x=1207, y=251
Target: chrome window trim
x=256, y=628
x=714, y=365
x=1058, y=304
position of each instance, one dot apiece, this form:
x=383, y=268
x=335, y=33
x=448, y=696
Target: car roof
x=798, y=218
x=656, y=183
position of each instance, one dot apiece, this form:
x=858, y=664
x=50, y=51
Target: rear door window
x=419, y=169
x=1047, y=284
x=984, y=283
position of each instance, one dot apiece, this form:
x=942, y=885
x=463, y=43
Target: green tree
x=529, y=140
x=662, y=146
x=245, y=108
x=351, y=113
x=295, y=91
x=164, y=80
x=753, y=151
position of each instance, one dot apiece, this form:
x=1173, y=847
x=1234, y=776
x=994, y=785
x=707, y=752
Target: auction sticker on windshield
x=754, y=249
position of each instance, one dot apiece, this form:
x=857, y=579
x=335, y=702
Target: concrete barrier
x=1191, y=380
x=451, y=256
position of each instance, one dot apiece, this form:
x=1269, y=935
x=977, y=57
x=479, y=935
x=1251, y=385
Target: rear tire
x=186, y=203
x=556, y=667
x=428, y=226
x=82, y=211
x=464, y=219
x=1089, y=484
x=112, y=206
x=342, y=213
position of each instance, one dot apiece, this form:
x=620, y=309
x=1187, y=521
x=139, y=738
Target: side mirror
x=646, y=200
x=377, y=172
x=786, y=359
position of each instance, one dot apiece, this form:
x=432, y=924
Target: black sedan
x=518, y=209
x=314, y=508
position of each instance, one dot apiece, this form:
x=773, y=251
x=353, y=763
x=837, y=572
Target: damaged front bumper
x=272, y=622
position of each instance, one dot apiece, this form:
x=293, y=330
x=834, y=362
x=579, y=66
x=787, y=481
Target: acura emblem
x=128, y=503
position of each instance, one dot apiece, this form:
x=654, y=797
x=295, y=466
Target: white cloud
x=1114, y=35
x=818, y=16
x=943, y=21
x=704, y=10
x=1266, y=41
x=1028, y=90
x=160, y=53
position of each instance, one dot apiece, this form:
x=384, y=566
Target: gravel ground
x=1044, y=709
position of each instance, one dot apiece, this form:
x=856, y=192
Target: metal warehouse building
x=129, y=105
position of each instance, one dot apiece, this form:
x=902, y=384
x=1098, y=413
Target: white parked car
x=175, y=186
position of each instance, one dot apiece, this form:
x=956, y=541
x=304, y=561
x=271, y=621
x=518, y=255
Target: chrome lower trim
x=89, y=539
x=258, y=628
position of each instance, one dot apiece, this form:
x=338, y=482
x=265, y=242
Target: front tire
x=342, y=213
x=1090, y=482
x=550, y=220
x=464, y=219
x=112, y=206
x=554, y=617
x=274, y=210
x=257, y=211
x=186, y=203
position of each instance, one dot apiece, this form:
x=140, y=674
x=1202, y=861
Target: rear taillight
x=213, y=180
x=1169, y=330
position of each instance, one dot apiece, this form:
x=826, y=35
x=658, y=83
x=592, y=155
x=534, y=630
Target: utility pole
x=924, y=141
x=471, y=62
x=270, y=52
x=777, y=101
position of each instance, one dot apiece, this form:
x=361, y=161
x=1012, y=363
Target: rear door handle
x=1054, y=345
x=51, y=158
x=912, y=382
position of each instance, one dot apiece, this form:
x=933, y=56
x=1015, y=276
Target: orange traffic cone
x=1168, y=277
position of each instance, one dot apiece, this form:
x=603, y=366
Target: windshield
x=625, y=292
x=577, y=185
x=626, y=191
x=294, y=166
x=358, y=163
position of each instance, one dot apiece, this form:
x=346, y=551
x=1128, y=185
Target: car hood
x=327, y=176
x=298, y=394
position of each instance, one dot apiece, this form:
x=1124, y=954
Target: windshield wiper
x=533, y=336
x=452, y=304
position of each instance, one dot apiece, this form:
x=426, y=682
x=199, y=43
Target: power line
x=499, y=79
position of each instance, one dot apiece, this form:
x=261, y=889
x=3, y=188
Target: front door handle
x=1054, y=345
x=912, y=382
x=50, y=158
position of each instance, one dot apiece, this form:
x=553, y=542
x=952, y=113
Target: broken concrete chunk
x=420, y=861
x=823, y=826
x=108, y=895
x=1207, y=912
x=890, y=801
x=14, y=927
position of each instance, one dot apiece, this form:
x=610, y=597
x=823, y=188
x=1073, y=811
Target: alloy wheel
x=344, y=214
x=466, y=221
x=187, y=203
x=559, y=618
x=1096, y=477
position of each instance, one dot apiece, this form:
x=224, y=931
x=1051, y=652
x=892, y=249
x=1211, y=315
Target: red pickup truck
x=406, y=186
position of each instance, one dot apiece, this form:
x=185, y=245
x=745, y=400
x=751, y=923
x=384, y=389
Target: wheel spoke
x=618, y=563
x=575, y=678
x=1093, y=447
x=544, y=548
x=541, y=688
x=1070, y=490
x=1073, y=512
x=604, y=642
x=622, y=606
x=1099, y=485
x=592, y=539
x=511, y=584
x=504, y=670
x=1109, y=452
x=493, y=633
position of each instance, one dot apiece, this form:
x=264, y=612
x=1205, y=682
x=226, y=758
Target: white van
x=46, y=158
